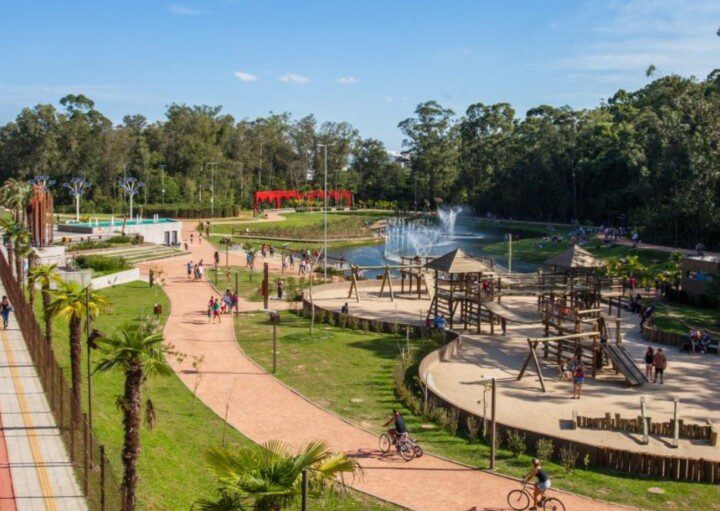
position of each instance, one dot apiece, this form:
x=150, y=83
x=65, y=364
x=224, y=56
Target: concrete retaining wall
x=115, y=279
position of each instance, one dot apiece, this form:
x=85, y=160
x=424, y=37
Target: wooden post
x=493, y=430
x=102, y=478
x=676, y=423
x=643, y=416
x=312, y=305
x=304, y=503
x=265, y=284
x=274, y=346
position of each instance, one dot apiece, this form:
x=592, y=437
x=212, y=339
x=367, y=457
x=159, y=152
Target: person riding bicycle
x=543, y=482
x=400, y=429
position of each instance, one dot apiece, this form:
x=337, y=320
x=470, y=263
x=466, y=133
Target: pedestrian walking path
x=262, y=408
x=40, y=476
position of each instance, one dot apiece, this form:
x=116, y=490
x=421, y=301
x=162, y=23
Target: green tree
x=268, y=477
x=46, y=275
x=138, y=352
x=72, y=301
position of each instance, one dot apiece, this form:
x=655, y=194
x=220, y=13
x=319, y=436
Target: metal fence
x=87, y=455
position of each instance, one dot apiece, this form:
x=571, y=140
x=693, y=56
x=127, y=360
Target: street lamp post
x=132, y=188
x=325, y=147
x=77, y=186
x=162, y=181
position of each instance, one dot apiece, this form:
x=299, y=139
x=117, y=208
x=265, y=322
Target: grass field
x=307, y=226
x=172, y=474
x=528, y=250
x=678, y=318
x=336, y=367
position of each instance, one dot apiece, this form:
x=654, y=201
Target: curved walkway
x=262, y=408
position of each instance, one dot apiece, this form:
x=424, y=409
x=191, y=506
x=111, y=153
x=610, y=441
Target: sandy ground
x=694, y=379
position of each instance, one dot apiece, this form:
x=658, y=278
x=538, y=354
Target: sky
x=367, y=62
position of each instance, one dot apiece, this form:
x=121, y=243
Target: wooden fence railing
x=634, y=425
x=87, y=455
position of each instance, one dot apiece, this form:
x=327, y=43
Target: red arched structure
x=277, y=196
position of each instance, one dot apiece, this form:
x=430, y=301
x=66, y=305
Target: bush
x=568, y=458
x=544, y=449
x=473, y=427
x=453, y=421
x=101, y=263
x=516, y=442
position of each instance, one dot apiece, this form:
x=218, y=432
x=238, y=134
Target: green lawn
x=528, y=250
x=172, y=475
x=678, y=318
x=336, y=367
x=307, y=225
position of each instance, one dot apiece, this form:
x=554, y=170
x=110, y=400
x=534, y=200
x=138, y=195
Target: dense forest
x=648, y=158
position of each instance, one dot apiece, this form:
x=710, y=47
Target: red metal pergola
x=277, y=196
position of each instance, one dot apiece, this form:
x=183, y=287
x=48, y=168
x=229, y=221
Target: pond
x=467, y=233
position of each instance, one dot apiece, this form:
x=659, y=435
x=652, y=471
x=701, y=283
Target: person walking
x=200, y=270
x=189, y=267
x=5, y=310
x=649, y=362
x=280, y=289
x=660, y=364
x=216, y=257
x=216, y=311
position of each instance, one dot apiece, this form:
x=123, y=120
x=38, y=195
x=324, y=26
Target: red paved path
x=262, y=408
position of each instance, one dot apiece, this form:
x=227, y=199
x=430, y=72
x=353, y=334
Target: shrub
x=438, y=415
x=453, y=421
x=544, y=449
x=568, y=458
x=473, y=427
x=101, y=263
x=516, y=442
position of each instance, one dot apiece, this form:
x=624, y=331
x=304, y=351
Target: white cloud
x=389, y=99
x=294, y=78
x=183, y=10
x=347, y=80
x=245, y=77
x=674, y=35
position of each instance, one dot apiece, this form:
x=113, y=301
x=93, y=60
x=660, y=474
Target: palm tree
x=69, y=301
x=268, y=477
x=14, y=195
x=32, y=259
x=137, y=351
x=45, y=275
x=15, y=234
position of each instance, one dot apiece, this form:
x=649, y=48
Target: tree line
x=647, y=159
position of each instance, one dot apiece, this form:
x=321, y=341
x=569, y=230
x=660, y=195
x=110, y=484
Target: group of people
x=699, y=342
x=219, y=306
x=655, y=364
x=195, y=271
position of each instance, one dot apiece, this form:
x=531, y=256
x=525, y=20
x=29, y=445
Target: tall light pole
x=212, y=188
x=162, y=181
x=325, y=147
x=132, y=188
x=77, y=186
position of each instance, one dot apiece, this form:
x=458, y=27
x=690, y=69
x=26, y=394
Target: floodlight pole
x=325, y=219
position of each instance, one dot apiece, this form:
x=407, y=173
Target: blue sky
x=368, y=62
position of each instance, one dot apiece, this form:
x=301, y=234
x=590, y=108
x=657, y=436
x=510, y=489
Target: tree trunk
x=19, y=268
x=31, y=284
x=46, y=313
x=131, y=423
x=10, y=248
x=76, y=365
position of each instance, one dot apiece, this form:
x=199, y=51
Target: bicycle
x=406, y=446
x=522, y=498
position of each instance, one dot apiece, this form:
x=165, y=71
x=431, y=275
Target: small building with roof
x=698, y=275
